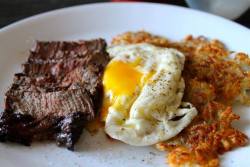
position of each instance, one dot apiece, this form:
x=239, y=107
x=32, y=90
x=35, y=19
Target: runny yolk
x=121, y=78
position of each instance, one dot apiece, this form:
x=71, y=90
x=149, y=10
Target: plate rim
x=50, y=13
x=46, y=15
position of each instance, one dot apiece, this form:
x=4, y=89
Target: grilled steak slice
x=57, y=103
x=59, y=89
x=69, y=72
x=56, y=51
x=23, y=128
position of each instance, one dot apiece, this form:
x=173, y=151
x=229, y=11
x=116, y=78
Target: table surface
x=14, y=10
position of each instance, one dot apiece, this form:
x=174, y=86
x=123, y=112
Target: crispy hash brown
x=214, y=81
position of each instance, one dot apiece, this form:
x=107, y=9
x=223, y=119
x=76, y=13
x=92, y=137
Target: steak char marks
x=59, y=90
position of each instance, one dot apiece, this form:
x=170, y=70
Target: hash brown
x=215, y=78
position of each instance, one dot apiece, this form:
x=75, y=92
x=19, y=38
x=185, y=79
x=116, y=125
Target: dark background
x=13, y=10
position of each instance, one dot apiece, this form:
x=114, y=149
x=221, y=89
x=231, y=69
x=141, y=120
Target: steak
x=59, y=90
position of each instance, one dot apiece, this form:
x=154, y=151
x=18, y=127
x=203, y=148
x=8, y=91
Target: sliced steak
x=59, y=89
x=56, y=51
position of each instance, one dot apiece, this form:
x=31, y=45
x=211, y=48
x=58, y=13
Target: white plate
x=107, y=20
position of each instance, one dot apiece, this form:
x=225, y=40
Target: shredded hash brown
x=214, y=81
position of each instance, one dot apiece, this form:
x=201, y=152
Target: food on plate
x=215, y=78
x=177, y=96
x=143, y=91
x=59, y=89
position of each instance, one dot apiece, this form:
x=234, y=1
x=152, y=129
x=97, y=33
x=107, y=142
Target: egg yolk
x=121, y=78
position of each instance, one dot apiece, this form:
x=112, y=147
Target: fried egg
x=143, y=91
